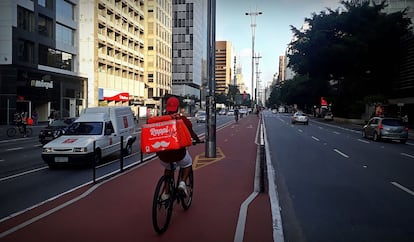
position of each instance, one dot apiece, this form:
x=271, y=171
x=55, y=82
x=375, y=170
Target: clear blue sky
x=273, y=33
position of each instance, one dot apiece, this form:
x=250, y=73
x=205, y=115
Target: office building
x=112, y=53
x=39, y=59
x=223, y=66
x=189, y=37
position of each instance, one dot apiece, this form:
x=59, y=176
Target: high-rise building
x=111, y=42
x=223, y=66
x=158, y=49
x=189, y=37
x=39, y=59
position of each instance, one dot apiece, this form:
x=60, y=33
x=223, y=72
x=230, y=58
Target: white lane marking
x=23, y=173
x=313, y=137
x=320, y=127
x=363, y=141
x=409, y=143
x=341, y=153
x=13, y=149
x=404, y=154
x=336, y=132
x=1, y=160
x=300, y=130
x=274, y=199
x=403, y=188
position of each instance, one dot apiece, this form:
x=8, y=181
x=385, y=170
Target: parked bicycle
x=12, y=131
x=163, y=202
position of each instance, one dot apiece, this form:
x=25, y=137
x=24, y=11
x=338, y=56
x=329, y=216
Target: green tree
x=349, y=53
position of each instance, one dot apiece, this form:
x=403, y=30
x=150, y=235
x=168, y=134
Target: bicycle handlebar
x=195, y=142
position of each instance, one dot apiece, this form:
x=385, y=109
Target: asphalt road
x=334, y=185
x=26, y=181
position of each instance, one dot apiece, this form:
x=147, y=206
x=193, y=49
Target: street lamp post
x=253, y=25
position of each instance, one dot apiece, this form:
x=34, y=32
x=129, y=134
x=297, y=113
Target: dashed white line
x=403, y=188
x=300, y=130
x=363, y=141
x=341, y=153
x=13, y=149
x=404, y=154
x=336, y=132
x=313, y=137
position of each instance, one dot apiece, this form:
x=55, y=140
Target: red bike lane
x=119, y=209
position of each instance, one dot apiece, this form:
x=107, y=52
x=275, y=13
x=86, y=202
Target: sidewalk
x=119, y=209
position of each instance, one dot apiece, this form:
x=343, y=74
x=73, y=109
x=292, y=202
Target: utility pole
x=257, y=57
x=253, y=25
x=210, y=148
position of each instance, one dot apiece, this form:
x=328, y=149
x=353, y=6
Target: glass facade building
x=39, y=59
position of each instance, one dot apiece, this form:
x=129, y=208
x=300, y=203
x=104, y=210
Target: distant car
x=328, y=116
x=230, y=112
x=222, y=112
x=300, y=117
x=55, y=129
x=274, y=110
x=384, y=128
x=201, y=116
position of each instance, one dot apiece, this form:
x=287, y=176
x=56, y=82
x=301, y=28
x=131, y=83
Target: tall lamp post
x=253, y=25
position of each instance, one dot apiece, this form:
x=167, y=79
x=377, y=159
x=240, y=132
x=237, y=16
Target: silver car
x=300, y=117
x=380, y=128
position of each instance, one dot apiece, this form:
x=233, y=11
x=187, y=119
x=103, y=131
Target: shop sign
x=41, y=83
x=124, y=96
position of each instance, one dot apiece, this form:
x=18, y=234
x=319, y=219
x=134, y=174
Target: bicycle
x=162, y=207
x=12, y=131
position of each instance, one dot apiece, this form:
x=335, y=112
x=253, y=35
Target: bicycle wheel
x=29, y=131
x=186, y=201
x=162, y=208
x=11, y=132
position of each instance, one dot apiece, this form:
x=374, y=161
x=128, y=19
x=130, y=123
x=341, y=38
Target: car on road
x=201, y=116
x=328, y=116
x=222, y=112
x=300, y=117
x=274, y=110
x=55, y=129
x=230, y=112
x=385, y=128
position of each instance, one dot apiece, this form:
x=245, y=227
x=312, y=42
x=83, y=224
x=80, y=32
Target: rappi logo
x=159, y=132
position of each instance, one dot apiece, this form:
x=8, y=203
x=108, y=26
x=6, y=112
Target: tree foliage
x=346, y=54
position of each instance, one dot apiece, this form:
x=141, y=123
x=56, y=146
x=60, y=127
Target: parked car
x=328, y=116
x=55, y=129
x=300, y=117
x=201, y=116
x=230, y=112
x=384, y=128
x=274, y=110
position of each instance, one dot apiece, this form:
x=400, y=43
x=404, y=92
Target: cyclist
x=180, y=156
x=236, y=114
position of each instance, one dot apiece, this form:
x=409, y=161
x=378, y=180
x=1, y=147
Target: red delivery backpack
x=164, y=133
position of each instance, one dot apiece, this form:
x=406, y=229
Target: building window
x=64, y=9
x=45, y=26
x=64, y=34
x=25, y=19
x=55, y=58
x=25, y=51
x=150, y=92
x=150, y=77
x=46, y=3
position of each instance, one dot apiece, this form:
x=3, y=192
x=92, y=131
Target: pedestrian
x=24, y=123
x=35, y=117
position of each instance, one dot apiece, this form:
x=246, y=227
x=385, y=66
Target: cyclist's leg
x=167, y=172
x=185, y=164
